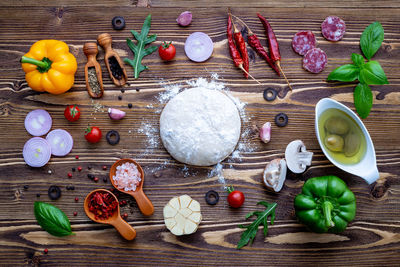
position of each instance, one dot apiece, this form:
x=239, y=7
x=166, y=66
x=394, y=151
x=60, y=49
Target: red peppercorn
x=76, y=199
x=104, y=167
x=46, y=251
x=77, y=157
x=69, y=175
x=96, y=179
x=79, y=168
x=75, y=213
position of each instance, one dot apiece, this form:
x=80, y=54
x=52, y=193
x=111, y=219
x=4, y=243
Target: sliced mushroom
x=275, y=174
x=297, y=157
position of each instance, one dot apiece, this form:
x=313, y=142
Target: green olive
x=337, y=125
x=334, y=142
x=352, y=144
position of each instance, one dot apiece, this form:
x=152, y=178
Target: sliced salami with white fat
x=303, y=41
x=315, y=60
x=333, y=28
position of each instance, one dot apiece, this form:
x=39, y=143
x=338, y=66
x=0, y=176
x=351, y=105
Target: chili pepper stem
x=327, y=211
x=248, y=29
x=241, y=67
x=278, y=63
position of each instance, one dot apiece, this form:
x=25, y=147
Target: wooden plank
x=372, y=239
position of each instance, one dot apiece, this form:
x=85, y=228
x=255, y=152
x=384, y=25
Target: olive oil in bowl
x=341, y=136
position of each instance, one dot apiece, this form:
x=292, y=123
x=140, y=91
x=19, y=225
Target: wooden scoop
x=144, y=203
x=105, y=40
x=127, y=231
x=90, y=50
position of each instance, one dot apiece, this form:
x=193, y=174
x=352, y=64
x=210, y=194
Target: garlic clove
x=265, y=132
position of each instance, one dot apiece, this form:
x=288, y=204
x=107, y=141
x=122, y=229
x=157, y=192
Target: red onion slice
x=61, y=142
x=36, y=152
x=38, y=122
x=199, y=47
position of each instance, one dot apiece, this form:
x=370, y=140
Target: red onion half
x=199, y=47
x=38, y=122
x=36, y=152
x=61, y=142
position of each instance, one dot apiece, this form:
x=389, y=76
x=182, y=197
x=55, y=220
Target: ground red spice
x=102, y=205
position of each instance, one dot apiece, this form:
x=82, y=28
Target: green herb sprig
x=139, y=48
x=367, y=73
x=262, y=218
x=52, y=219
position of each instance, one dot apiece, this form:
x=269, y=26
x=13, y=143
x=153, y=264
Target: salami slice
x=315, y=60
x=303, y=41
x=333, y=28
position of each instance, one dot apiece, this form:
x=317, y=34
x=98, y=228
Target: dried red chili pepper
x=273, y=45
x=255, y=43
x=242, y=49
x=103, y=205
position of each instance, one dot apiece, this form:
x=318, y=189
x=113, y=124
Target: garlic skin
x=265, y=132
x=116, y=114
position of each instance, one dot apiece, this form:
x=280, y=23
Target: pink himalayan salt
x=127, y=177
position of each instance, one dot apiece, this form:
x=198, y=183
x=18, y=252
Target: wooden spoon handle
x=126, y=231
x=144, y=203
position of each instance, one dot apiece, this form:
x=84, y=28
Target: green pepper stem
x=41, y=64
x=327, y=210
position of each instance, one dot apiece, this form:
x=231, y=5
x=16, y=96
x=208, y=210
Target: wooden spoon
x=105, y=40
x=127, y=231
x=144, y=203
x=90, y=50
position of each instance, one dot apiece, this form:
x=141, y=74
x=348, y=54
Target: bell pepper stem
x=327, y=211
x=41, y=64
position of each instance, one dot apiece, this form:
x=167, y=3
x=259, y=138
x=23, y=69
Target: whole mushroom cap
x=297, y=157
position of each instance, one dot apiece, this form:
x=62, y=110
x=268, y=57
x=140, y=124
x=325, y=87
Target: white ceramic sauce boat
x=366, y=168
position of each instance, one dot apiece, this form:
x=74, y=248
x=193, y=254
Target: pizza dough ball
x=200, y=126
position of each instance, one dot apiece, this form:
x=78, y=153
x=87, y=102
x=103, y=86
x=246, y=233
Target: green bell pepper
x=325, y=204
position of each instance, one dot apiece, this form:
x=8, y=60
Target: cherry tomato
x=167, y=51
x=235, y=197
x=93, y=134
x=72, y=113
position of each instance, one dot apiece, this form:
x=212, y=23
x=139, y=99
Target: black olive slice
x=212, y=197
x=118, y=23
x=281, y=119
x=54, y=192
x=270, y=94
x=112, y=137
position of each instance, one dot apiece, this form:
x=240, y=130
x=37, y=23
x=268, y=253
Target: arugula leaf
x=262, y=218
x=363, y=100
x=371, y=39
x=372, y=73
x=357, y=59
x=52, y=219
x=345, y=73
x=139, y=48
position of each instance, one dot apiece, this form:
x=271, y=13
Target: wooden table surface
x=372, y=239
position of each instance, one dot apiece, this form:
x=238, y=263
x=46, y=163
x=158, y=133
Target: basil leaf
x=357, y=59
x=371, y=39
x=52, y=219
x=345, y=73
x=363, y=100
x=372, y=73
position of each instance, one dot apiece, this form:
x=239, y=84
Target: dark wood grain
x=373, y=239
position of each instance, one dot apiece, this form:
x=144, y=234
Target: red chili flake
x=124, y=202
x=79, y=168
x=96, y=179
x=104, y=167
x=102, y=205
x=76, y=199
x=69, y=175
x=46, y=251
x=77, y=157
x=75, y=213
x=125, y=215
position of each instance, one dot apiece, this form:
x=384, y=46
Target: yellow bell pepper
x=49, y=66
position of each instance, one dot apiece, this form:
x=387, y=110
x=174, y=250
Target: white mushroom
x=297, y=158
x=275, y=174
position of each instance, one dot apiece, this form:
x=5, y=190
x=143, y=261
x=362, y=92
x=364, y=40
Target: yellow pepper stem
x=42, y=65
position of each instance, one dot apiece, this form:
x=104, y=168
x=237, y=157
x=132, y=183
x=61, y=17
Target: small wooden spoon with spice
x=114, y=63
x=94, y=81
x=126, y=231
x=144, y=203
